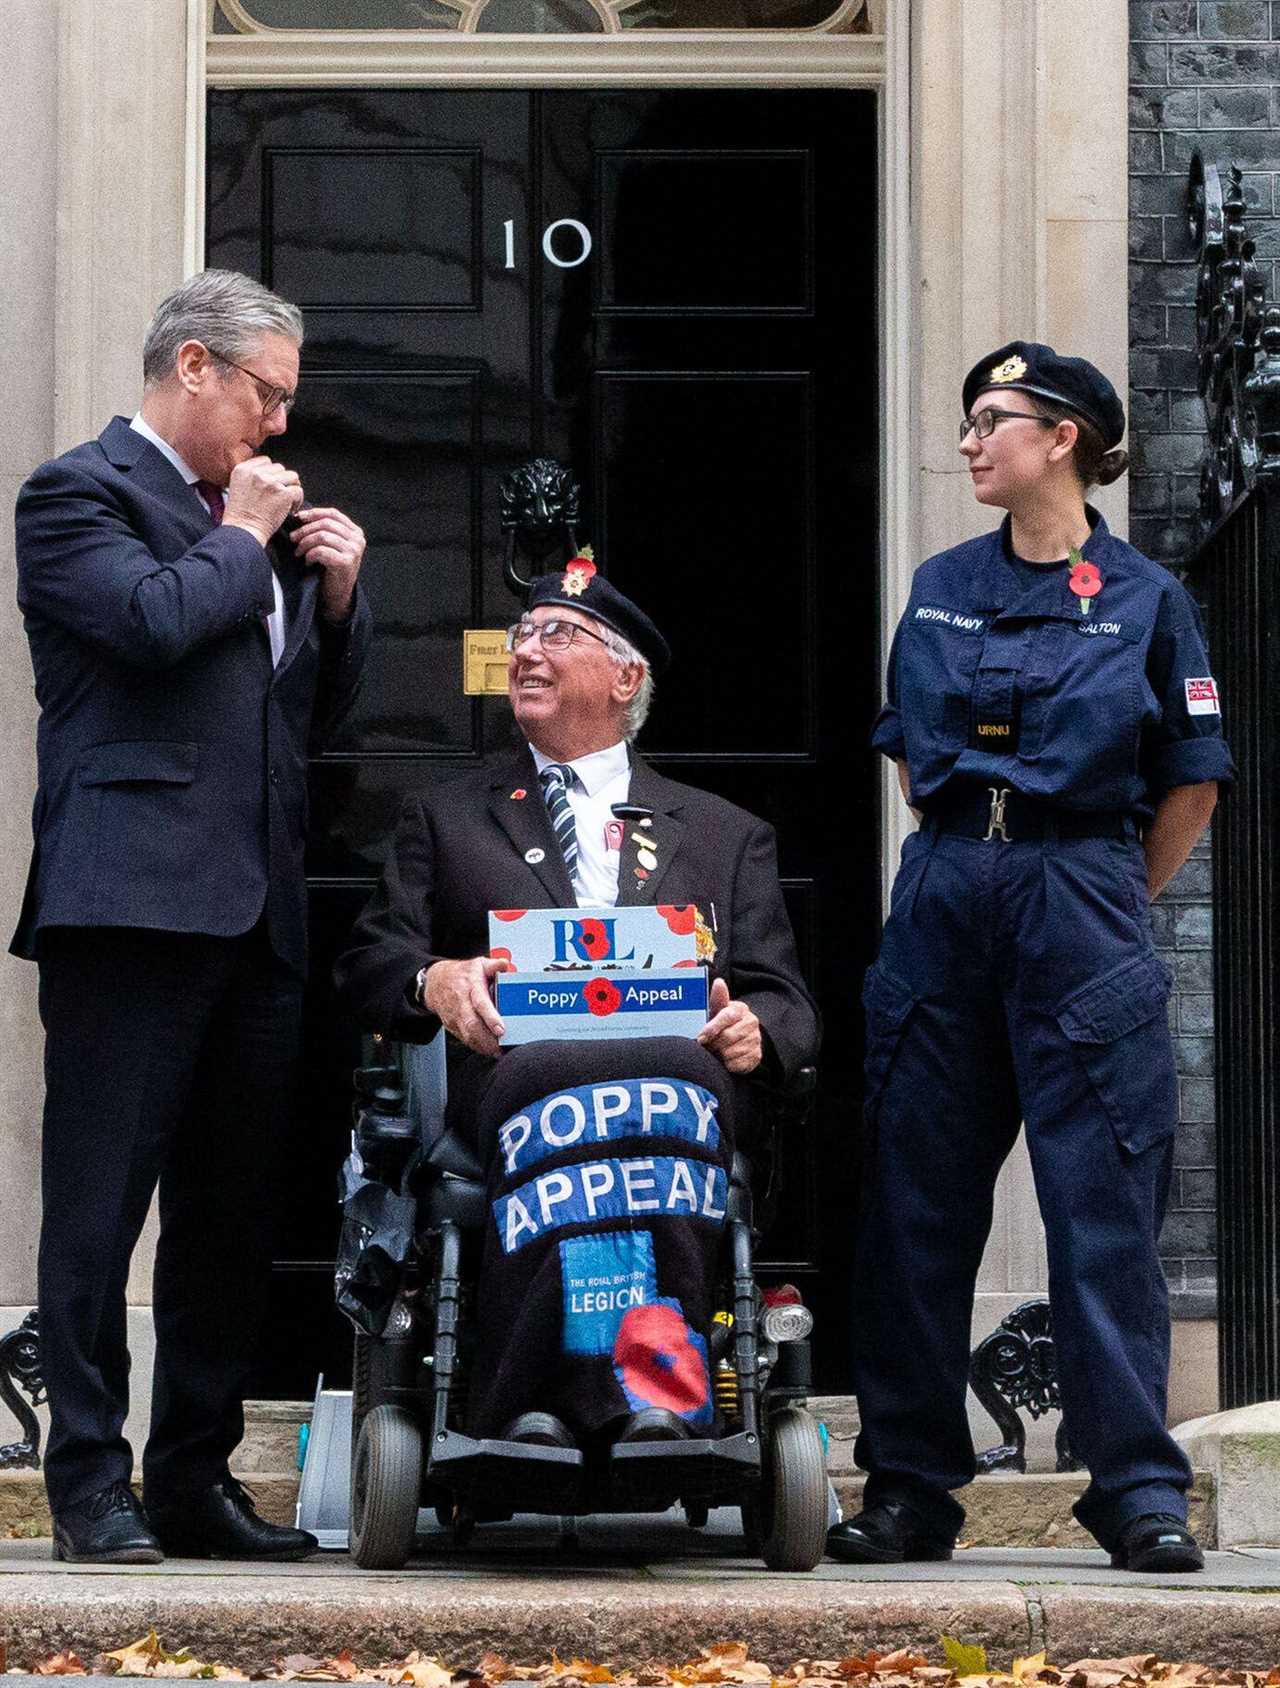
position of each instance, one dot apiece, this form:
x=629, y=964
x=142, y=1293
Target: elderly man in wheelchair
x=572, y=1324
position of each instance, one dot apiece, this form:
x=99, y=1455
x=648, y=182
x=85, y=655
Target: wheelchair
x=765, y=1454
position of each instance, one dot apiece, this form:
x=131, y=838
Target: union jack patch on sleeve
x=1202, y=697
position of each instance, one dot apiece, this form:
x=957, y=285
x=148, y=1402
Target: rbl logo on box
x=541, y=940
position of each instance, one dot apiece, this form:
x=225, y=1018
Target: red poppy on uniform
x=1085, y=580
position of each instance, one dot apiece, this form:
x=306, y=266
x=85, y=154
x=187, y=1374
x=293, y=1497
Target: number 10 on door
x=581, y=230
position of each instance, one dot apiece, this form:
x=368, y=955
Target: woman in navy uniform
x=1056, y=727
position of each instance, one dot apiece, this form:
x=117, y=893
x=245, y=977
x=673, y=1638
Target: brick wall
x=1202, y=73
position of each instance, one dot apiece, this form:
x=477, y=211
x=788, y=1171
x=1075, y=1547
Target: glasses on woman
x=556, y=635
x=983, y=422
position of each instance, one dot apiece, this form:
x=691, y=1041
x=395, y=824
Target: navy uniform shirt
x=996, y=678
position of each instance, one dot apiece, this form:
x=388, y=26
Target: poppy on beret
x=580, y=586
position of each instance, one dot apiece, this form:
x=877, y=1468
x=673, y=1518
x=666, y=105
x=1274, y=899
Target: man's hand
x=457, y=993
x=334, y=544
x=732, y=1032
x=260, y=494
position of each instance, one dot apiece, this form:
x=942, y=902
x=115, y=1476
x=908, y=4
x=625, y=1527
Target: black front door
x=674, y=294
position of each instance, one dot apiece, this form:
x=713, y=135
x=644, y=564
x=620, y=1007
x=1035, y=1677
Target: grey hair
x=224, y=310
x=624, y=654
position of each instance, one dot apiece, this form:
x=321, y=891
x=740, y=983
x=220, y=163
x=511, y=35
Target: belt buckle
x=995, y=820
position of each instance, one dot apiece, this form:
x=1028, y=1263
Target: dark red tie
x=213, y=497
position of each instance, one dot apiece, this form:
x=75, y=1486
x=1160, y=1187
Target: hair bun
x=1113, y=465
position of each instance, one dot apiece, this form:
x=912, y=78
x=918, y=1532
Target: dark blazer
x=459, y=851
x=171, y=756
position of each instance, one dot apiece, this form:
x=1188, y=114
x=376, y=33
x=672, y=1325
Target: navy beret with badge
x=581, y=586
x=1028, y=367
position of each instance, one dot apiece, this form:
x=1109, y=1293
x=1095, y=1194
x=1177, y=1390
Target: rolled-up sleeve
x=1185, y=745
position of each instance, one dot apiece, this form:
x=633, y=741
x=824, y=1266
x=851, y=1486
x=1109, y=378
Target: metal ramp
x=324, y=1494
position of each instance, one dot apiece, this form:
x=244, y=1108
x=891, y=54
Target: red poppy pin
x=602, y=997
x=519, y=794
x=1085, y=580
x=578, y=572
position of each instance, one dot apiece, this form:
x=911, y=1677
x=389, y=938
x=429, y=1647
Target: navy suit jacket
x=171, y=755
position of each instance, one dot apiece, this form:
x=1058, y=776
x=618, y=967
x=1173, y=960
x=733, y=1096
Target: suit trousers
x=170, y=1061
x=1017, y=983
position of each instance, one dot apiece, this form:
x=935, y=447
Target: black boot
x=885, y=1533
x=109, y=1528
x=220, y=1523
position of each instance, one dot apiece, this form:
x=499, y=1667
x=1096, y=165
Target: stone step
x=24, y=1511
x=1013, y=1510
x=1004, y=1511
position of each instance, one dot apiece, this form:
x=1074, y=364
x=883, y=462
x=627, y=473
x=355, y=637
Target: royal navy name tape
x=602, y=1113
x=951, y=618
x=610, y=1189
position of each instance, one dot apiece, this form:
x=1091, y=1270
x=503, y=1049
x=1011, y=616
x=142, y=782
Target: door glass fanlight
x=544, y=17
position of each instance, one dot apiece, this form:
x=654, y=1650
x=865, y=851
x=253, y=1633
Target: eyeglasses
x=984, y=421
x=556, y=635
x=273, y=398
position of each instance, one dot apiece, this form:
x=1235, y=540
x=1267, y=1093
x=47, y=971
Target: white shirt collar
x=142, y=427
x=595, y=770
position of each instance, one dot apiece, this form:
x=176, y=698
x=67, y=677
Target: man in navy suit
x=186, y=657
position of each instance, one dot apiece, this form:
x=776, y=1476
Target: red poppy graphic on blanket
x=593, y=938
x=679, y=917
x=657, y=1361
x=602, y=997
x=510, y=913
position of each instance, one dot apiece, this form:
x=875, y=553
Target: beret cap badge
x=1012, y=369
x=578, y=573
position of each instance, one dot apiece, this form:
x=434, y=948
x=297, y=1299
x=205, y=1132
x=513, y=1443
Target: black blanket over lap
x=608, y=1177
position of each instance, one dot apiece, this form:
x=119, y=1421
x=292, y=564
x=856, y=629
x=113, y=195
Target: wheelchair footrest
x=741, y=1450
x=456, y=1450
x=543, y=1478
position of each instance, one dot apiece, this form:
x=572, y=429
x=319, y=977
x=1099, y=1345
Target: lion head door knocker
x=539, y=515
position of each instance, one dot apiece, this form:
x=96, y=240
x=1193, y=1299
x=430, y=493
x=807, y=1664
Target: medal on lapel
x=1085, y=580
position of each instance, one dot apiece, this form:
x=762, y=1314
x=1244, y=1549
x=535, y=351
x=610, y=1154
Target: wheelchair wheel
x=793, y=1500
x=386, y=1476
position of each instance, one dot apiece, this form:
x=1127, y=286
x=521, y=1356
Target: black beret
x=580, y=586
x=1025, y=366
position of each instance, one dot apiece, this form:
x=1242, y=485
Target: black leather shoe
x=220, y=1523
x=1157, y=1541
x=885, y=1534
x=542, y=1430
x=653, y=1424
x=109, y=1528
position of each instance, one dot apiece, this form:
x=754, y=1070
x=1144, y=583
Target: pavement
x=628, y=1589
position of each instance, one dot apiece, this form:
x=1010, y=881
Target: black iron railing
x=1236, y=575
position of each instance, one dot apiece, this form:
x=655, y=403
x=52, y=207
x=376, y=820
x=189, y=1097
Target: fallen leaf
x=59, y=1664
x=964, y=1660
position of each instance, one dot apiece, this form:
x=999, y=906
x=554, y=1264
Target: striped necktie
x=556, y=779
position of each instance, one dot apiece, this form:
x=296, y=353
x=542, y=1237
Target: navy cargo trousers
x=1017, y=982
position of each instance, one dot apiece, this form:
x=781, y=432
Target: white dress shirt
x=600, y=780
x=275, y=621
